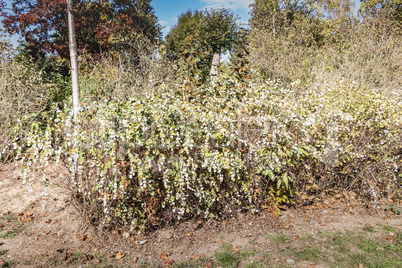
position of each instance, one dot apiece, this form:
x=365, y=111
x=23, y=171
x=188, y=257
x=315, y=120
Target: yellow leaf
x=119, y=256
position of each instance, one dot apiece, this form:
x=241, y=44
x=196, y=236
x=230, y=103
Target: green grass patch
x=244, y=255
x=307, y=253
x=8, y=234
x=353, y=249
x=280, y=238
x=369, y=228
x=225, y=257
x=387, y=228
x=202, y=262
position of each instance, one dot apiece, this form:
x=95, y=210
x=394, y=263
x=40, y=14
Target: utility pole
x=73, y=59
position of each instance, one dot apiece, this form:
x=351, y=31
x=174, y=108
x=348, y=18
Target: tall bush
x=171, y=154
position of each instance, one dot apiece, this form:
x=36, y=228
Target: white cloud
x=230, y=4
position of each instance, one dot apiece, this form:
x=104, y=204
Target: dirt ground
x=46, y=231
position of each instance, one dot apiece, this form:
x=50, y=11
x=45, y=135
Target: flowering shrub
x=178, y=152
x=21, y=93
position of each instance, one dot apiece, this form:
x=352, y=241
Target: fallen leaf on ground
x=135, y=259
x=47, y=232
x=197, y=256
x=119, y=256
x=168, y=262
x=66, y=256
x=83, y=238
x=88, y=257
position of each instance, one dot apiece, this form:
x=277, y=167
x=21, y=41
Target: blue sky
x=168, y=11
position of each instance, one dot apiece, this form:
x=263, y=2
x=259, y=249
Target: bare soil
x=38, y=230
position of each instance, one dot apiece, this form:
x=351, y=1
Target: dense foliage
x=310, y=103
x=198, y=37
x=214, y=151
x=102, y=26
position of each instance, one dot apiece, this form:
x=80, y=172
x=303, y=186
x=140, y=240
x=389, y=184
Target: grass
x=244, y=255
x=2, y=252
x=387, y=228
x=395, y=209
x=202, y=262
x=369, y=228
x=225, y=257
x=307, y=253
x=280, y=238
x=8, y=234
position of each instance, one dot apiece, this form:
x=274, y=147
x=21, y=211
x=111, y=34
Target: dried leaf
x=88, y=257
x=135, y=259
x=126, y=235
x=168, y=262
x=197, y=256
x=119, y=256
x=83, y=238
x=47, y=232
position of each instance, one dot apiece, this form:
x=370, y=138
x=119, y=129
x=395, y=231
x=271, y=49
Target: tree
x=189, y=24
x=389, y=8
x=219, y=30
x=201, y=36
x=274, y=14
x=102, y=25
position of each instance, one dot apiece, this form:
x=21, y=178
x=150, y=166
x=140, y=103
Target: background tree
x=219, y=30
x=101, y=25
x=189, y=24
x=186, y=46
x=239, y=55
x=200, y=37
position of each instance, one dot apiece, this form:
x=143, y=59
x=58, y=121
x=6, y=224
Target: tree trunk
x=215, y=66
x=73, y=59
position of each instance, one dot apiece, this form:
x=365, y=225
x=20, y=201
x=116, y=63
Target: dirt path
x=35, y=234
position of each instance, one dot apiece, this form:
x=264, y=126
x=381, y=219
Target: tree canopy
x=102, y=25
x=200, y=35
